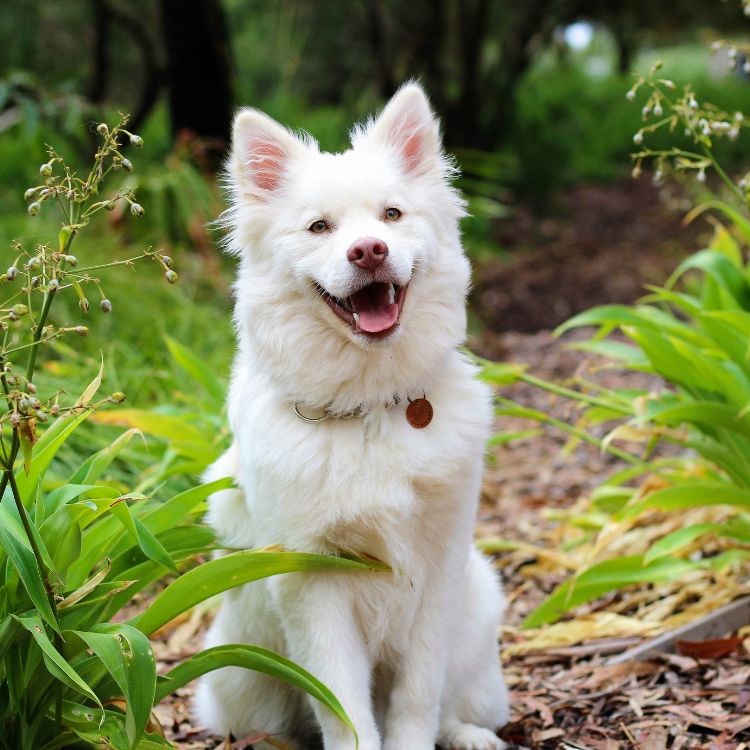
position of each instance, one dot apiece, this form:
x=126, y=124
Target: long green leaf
x=232, y=570
x=54, y=660
x=198, y=369
x=21, y=555
x=127, y=655
x=602, y=578
x=258, y=659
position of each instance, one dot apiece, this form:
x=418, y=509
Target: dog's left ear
x=408, y=125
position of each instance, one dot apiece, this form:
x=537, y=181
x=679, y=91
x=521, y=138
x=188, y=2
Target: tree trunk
x=198, y=75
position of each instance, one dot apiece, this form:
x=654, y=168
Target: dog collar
x=419, y=412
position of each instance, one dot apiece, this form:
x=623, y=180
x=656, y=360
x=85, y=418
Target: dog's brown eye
x=392, y=214
x=318, y=226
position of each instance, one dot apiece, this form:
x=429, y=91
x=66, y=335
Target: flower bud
x=136, y=140
x=30, y=387
x=71, y=260
x=34, y=282
x=12, y=273
x=136, y=209
x=118, y=397
x=638, y=138
x=102, y=128
x=20, y=309
x=54, y=410
x=40, y=415
x=15, y=419
x=658, y=111
x=701, y=176
x=83, y=304
x=12, y=316
x=167, y=261
x=46, y=169
x=34, y=263
x=171, y=276
x=33, y=208
x=82, y=330
x=23, y=405
x=127, y=165
x=29, y=194
x=106, y=306
x=630, y=96
x=34, y=402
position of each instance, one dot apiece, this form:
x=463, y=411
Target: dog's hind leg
x=475, y=702
x=241, y=701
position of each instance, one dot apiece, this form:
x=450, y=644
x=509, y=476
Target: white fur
x=412, y=655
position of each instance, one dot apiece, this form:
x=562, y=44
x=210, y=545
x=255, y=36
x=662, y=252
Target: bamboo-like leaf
x=19, y=551
x=54, y=660
x=232, y=570
x=127, y=655
x=90, y=391
x=258, y=659
x=602, y=578
x=198, y=369
x=151, y=546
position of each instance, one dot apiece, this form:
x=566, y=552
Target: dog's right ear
x=261, y=152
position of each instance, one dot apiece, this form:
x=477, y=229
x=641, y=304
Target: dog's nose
x=368, y=253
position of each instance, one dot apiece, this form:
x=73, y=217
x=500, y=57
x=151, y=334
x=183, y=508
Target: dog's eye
x=319, y=226
x=392, y=214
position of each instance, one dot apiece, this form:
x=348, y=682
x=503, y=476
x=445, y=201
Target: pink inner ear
x=409, y=139
x=266, y=163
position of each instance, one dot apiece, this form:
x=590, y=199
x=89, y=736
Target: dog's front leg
x=414, y=707
x=323, y=637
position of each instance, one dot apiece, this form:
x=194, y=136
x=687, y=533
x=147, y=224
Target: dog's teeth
x=391, y=294
x=356, y=318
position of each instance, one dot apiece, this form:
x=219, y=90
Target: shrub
x=667, y=519
x=75, y=669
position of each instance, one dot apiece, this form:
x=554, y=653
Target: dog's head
x=348, y=254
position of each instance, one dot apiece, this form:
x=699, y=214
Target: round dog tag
x=419, y=413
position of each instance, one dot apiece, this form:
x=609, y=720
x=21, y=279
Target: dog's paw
x=470, y=737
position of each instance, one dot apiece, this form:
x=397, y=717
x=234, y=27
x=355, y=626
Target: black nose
x=368, y=253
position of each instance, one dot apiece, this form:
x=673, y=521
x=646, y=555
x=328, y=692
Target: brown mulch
x=603, y=243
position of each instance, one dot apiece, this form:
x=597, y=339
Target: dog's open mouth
x=372, y=311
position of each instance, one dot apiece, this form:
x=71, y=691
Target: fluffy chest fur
x=371, y=484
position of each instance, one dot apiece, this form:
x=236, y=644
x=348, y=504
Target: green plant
x=666, y=519
x=76, y=665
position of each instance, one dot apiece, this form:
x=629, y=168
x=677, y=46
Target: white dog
x=349, y=309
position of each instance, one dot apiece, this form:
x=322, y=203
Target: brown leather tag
x=419, y=413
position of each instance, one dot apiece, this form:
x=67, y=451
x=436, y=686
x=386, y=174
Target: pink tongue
x=372, y=306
